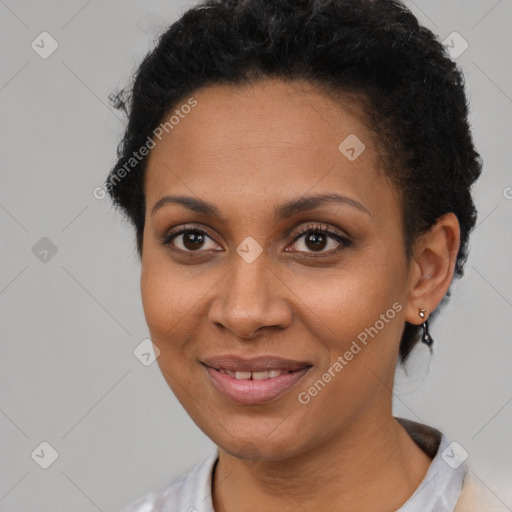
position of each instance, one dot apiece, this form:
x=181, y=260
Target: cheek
x=166, y=299
x=348, y=300
x=156, y=293
x=358, y=315
x=169, y=292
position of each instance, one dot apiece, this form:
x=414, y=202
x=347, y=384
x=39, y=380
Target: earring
x=425, y=337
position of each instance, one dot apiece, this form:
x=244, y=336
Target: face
x=278, y=319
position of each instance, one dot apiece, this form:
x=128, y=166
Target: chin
x=251, y=443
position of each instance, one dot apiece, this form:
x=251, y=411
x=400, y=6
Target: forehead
x=267, y=140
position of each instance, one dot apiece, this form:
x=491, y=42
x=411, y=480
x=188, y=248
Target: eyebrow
x=292, y=207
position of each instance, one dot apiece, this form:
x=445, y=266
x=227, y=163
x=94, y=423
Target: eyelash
x=309, y=229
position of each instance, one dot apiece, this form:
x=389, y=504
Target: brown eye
x=316, y=241
x=189, y=240
x=193, y=240
x=317, y=238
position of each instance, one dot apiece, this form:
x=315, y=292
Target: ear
x=432, y=266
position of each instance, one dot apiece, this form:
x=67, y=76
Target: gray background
x=68, y=375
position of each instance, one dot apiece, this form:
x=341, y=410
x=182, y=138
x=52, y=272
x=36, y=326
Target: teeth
x=259, y=375
x=262, y=375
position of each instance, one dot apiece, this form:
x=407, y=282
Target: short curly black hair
x=374, y=50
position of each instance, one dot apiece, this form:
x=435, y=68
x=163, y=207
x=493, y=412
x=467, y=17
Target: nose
x=250, y=299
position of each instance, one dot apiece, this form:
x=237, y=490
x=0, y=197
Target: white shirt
x=438, y=491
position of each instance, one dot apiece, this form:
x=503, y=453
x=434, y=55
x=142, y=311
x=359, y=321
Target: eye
x=317, y=238
x=189, y=239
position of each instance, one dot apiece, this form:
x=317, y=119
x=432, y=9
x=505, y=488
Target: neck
x=374, y=461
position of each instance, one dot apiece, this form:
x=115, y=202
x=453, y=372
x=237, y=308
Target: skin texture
x=248, y=150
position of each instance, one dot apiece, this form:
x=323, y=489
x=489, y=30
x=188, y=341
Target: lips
x=254, y=381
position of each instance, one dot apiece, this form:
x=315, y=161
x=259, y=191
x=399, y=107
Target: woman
x=298, y=174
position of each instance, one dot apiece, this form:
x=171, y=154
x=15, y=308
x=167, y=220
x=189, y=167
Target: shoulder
x=189, y=492
x=452, y=481
x=440, y=488
x=475, y=496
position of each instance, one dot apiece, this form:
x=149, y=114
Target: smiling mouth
x=254, y=381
